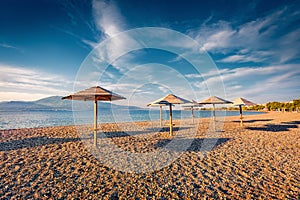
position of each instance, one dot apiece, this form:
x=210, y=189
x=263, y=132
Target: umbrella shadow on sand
x=195, y=144
x=292, y=122
x=119, y=134
x=285, y=126
x=254, y=120
x=33, y=142
x=167, y=129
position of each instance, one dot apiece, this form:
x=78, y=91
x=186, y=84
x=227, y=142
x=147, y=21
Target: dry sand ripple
x=259, y=160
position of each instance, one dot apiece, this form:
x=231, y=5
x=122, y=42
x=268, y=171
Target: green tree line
x=256, y=107
x=274, y=106
x=293, y=106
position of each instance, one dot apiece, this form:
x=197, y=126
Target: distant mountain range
x=56, y=103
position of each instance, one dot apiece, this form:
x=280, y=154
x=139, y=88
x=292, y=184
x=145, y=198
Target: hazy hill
x=21, y=106
x=56, y=103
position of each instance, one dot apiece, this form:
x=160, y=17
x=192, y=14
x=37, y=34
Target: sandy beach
x=257, y=161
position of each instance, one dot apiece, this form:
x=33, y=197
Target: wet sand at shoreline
x=259, y=160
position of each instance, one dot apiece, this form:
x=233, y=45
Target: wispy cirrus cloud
x=110, y=22
x=241, y=57
x=8, y=46
x=107, y=17
x=19, y=83
x=260, y=83
x=269, y=38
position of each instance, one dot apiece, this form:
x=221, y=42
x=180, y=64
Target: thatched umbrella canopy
x=215, y=100
x=192, y=105
x=95, y=94
x=170, y=99
x=242, y=102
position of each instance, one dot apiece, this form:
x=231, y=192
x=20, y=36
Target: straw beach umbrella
x=192, y=105
x=95, y=94
x=215, y=100
x=242, y=102
x=171, y=99
x=155, y=103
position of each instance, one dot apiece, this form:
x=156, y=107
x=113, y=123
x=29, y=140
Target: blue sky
x=45, y=47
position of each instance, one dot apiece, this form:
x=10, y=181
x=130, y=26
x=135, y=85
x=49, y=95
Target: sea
x=34, y=119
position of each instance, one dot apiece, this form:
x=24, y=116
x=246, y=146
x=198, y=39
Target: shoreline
x=259, y=160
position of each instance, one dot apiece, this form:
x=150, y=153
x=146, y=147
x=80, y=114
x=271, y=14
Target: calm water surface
x=32, y=119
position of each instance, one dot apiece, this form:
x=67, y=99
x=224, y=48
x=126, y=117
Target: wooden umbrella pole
x=241, y=115
x=160, y=116
x=193, y=114
x=171, y=122
x=214, y=112
x=214, y=117
x=95, y=121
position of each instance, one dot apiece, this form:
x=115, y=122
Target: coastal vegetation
x=289, y=106
x=274, y=106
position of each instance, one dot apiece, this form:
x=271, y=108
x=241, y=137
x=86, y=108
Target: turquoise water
x=32, y=119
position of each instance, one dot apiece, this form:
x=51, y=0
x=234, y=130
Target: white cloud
x=107, y=17
x=234, y=58
x=275, y=88
x=30, y=84
x=110, y=22
x=19, y=96
x=8, y=46
x=263, y=39
x=244, y=56
x=261, y=84
x=210, y=73
x=289, y=45
x=221, y=39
